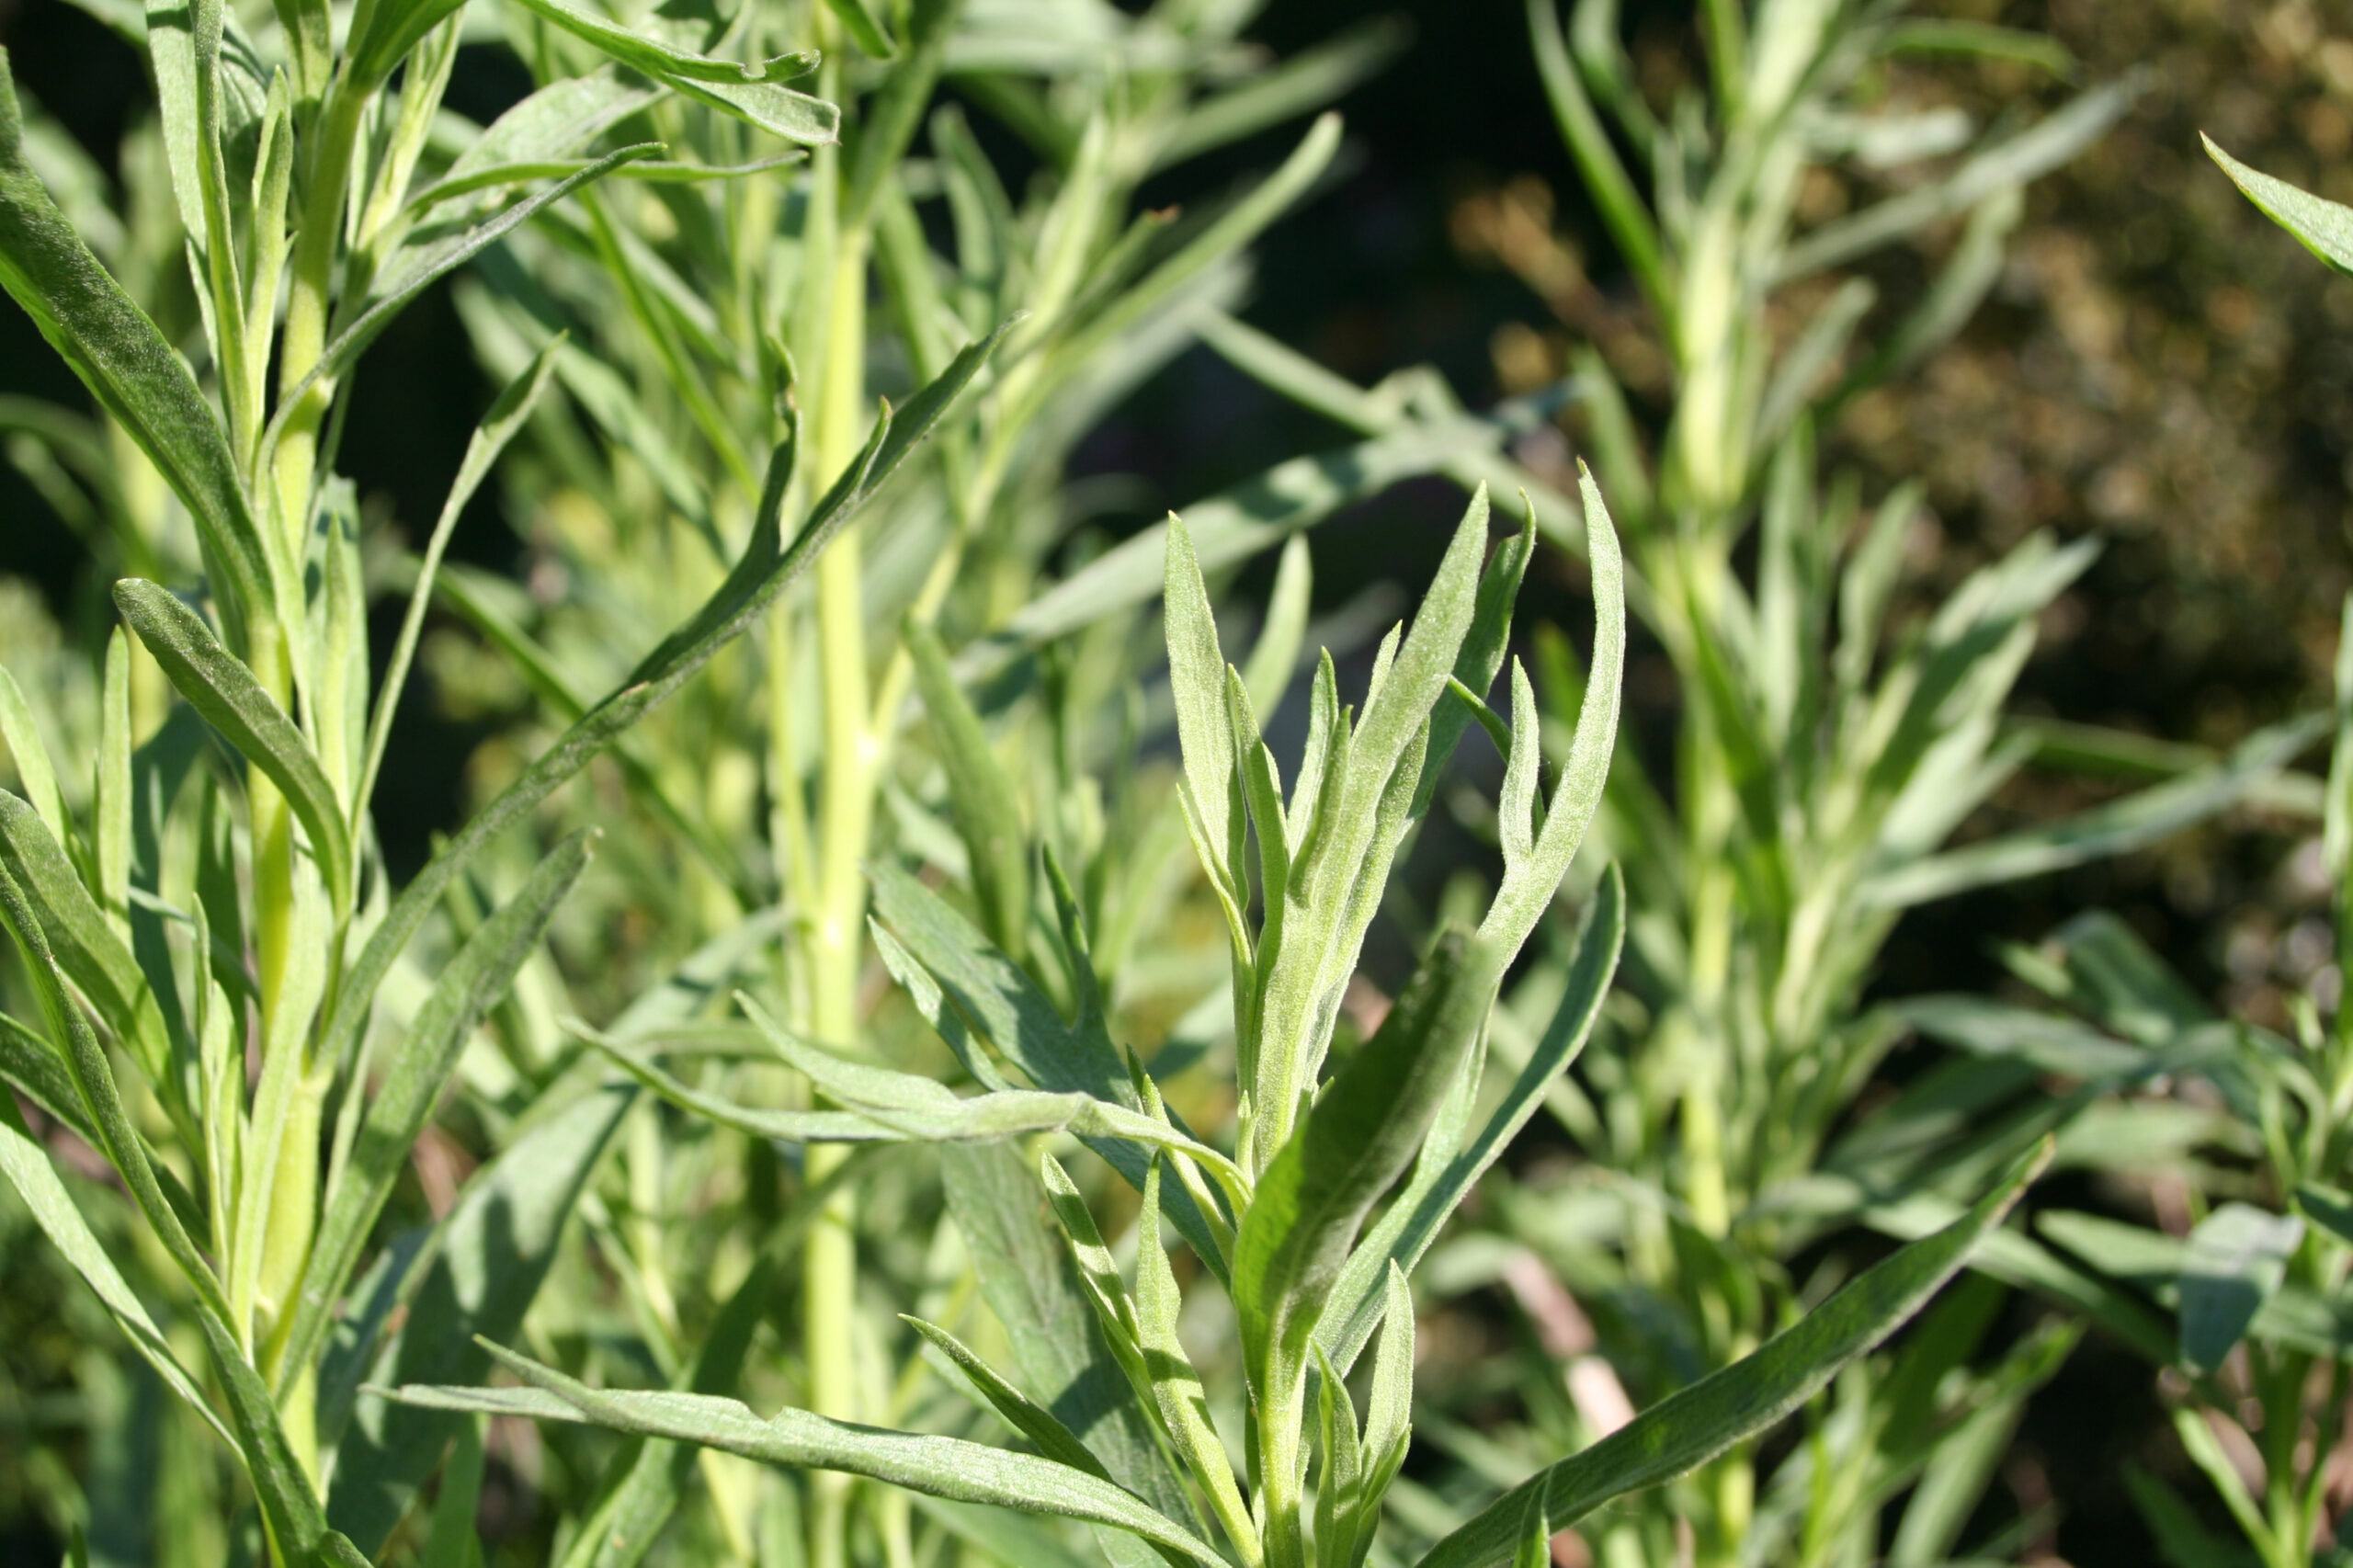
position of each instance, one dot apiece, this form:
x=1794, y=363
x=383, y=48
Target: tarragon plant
x=221, y=897
x=227, y=999
x=2240, y=1293
x=1118, y=1426
x=753, y=807
x=1822, y=756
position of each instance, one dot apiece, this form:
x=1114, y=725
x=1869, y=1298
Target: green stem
x=309, y=298
x=1281, y=1474
x=836, y=936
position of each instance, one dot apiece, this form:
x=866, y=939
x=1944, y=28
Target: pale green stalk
x=833, y=932
x=309, y=301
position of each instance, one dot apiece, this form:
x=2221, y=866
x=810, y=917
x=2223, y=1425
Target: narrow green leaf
x=1233, y=229
x=385, y=31
x=1523, y=748
x=449, y=1540
x=1404, y=1232
x=26, y=1166
x=980, y=795
x=1197, y=680
x=1327, y=736
x=1481, y=657
x=32, y=1066
x=1022, y=1413
x=1528, y=888
x=1970, y=271
x=1416, y=681
x=1962, y=1462
x=1339, y=1484
x=923, y=1108
x=2014, y=160
x=1629, y=219
x=932, y=1003
x=2206, y=1451
x=2016, y=1259
x=1389, y=1412
x=94, y=1085
x=865, y=27
x=994, y=994
x=35, y=773
x=2332, y=1212
x=297, y=1526
x=1098, y=1273
x=753, y=94
x=649, y=171
x=756, y=1122
x=468, y=986
x=513, y=405
x=1031, y=1284
x=940, y=1466
x=1982, y=39
x=473, y=595
x=1233, y=525
x=1355, y=1143
x=248, y=718
x=1308, y=80
x=2051, y=1042
x=128, y=366
x=547, y=129
x=2238, y=1259
x=1687, y=1429
x=2322, y=227
x=1262, y=791
x=1869, y=582
x=889, y=119
x=2183, y=1539
x=1535, y=1547
x=1804, y=365
x=87, y=946
x=1274, y=658
x=110, y=792
x=495, y=1250
x=2113, y=828
x=1176, y=1387
x=272, y=197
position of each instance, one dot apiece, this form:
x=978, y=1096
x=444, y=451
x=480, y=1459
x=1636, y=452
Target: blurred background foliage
x=2157, y=367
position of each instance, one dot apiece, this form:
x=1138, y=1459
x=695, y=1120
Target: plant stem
x=1281, y=1471
x=293, y=1192
x=310, y=294
x=834, y=937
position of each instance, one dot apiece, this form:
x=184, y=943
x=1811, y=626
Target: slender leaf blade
x=1687, y=1429
x=127, y=364
x=222, y=689
x=981, y=796
x=1412, y=1224
x=27, y=1168
x=2322, y=227
x=2237, y=1261
x=939, y=1467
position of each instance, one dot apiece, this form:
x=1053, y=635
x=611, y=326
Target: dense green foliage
x=886, y=978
